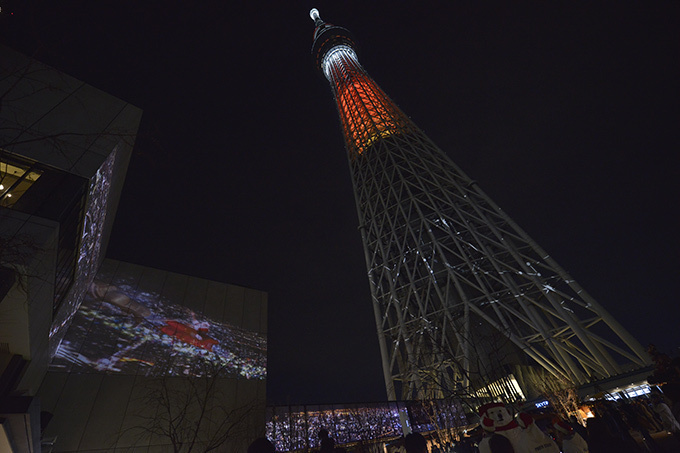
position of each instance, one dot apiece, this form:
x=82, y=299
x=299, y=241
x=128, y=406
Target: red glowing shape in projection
x=189, y=335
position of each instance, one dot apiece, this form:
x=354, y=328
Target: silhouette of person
x=500, y=444
x=327, y=444
x=261, y=445
x=568, y=438
x=415, y=443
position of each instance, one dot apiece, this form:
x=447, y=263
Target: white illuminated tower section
x=459, y=291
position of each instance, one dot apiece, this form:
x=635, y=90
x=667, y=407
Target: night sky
x=566, y=114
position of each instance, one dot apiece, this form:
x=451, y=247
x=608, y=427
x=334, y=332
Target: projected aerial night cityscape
x=121, y=328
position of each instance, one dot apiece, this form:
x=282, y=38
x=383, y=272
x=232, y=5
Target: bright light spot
x=9, y=195
x=314, y=14
x=335, y=56
x=1, y=187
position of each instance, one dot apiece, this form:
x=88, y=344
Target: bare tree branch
x=192, y=413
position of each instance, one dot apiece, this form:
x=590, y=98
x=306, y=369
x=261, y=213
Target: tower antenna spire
x=314, y=14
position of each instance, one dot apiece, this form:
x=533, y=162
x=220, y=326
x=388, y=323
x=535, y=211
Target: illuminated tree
x=560, y=393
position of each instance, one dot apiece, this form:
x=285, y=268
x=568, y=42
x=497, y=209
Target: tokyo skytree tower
x=459, y=291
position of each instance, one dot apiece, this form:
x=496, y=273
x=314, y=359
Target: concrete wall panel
x=152, y=280
x=251, y=310
x=233, y=305
x=215, y=300
x=195, y=296
x=107, y=270
x=264, y=310
x=73, y=411
x=175, y=288
x=50, y=390
x=110, y=406
x=136, y=413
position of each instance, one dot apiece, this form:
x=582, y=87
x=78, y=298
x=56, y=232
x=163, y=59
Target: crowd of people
x=619, y=426
x=295, y=428
x=647, y=423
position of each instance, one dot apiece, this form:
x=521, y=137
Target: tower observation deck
x=460, y=293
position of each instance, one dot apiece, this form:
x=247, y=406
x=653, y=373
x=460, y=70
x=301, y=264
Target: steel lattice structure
x=453, y=279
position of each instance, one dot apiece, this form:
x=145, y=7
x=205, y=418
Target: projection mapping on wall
x=122, y=329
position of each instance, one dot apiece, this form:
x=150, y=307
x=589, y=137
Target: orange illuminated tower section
x=462, y=296
x=366, y=113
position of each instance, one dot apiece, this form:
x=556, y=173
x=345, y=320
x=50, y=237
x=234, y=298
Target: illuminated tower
x=459, y=290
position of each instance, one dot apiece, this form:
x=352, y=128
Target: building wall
x=102, y=409
x=26, y=309
x=55, y=119
x=43, y=106
x=78, y=133
x=70, y=128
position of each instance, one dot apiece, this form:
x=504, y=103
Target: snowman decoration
x=533, y=439
x=522, y=432
x=503, y=424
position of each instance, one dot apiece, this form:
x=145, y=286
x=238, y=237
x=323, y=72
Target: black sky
x=565, y=113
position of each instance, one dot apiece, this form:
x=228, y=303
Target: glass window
x=36, y=189
x=16, y=177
